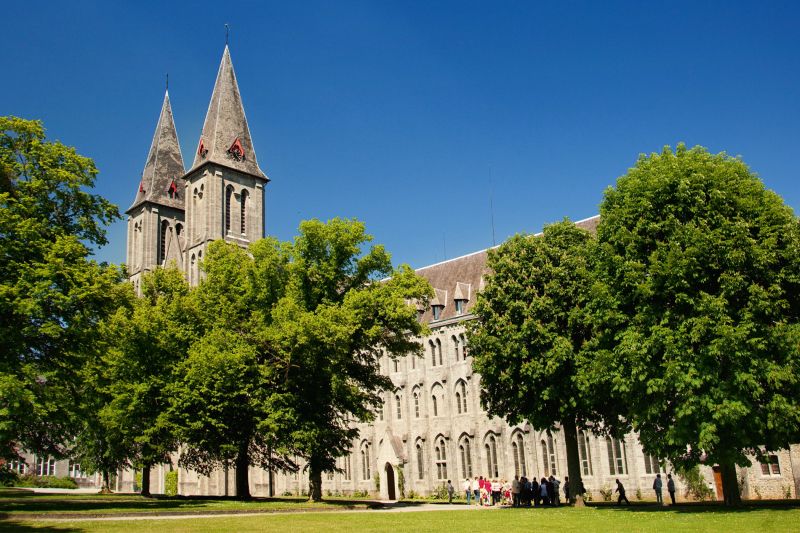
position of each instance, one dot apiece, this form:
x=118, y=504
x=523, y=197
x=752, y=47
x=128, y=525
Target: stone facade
x=431, y=427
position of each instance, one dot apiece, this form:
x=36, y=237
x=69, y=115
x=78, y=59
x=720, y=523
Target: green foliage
x=51, y=293
x=697, y=310
x=401, y=481
x=695, y=483
x=376, y=479
x=639, y=494
x=171, y=483
x=439, y=492
x=606, y=494
x=50, y=482
x=7, y=476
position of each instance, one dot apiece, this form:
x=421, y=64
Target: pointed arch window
x=439, y=349
x=466, y=458
x=463, y=390
x=549, y=458
x=518, y=451
x=243, y=213
x=441, y=459
x=366, y=473
x=399, y=407
x=416, y=404
x=584, y=453
x=347, y=466
x=435, y=405
x=456, y=352
x=491, y=456
x=433, y=353
x=420, y=461
x=193, y=265
x=617, y=460
x=163, y=244
x=228, y=195
x=458, y=401
x=463, y=346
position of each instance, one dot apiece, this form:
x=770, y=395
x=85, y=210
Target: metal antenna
x=168, y=81
x=227, y=32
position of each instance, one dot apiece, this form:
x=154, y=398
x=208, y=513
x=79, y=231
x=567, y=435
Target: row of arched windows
x=437, y=396
x=459, y=344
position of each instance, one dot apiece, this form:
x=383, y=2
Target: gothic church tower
x=156, y=217
x=177, y=213
x=225, y=186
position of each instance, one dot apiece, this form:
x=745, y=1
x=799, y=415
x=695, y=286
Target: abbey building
x=431, y=427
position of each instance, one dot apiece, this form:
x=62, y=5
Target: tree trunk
x=730, y=485
x=242, y=473
x=314, y=481
x=106, y=482
x=146, y=481
x=573, y=462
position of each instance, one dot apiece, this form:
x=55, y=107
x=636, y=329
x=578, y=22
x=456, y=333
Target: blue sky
x=416, y=116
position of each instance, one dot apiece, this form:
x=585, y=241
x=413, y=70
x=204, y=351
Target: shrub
x=50, y=482
x=787, y=492
x=439, y=493
x=695, y=483
x=639, y=494
x=377, y=479
x=412, y=495
x=137, y=483
x=401, y=481
x=171, y=483
x=287, y=493
x=8, y=477
x=606, y=493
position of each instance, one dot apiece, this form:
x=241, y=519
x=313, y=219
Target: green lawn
x=606, y=519
x=17, y=502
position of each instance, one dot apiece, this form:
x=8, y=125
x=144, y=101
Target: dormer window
x=461, y=305
x=438, y=303
x=437, y=311
x=461, y=297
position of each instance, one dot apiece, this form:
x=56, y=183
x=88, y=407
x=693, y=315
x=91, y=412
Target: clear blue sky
x=411, y=115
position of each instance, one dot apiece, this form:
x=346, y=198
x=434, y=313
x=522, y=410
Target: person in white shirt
x=467, y=486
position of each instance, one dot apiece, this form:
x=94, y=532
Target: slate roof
x=452, y=277
x=164, y=164
x=225, y=123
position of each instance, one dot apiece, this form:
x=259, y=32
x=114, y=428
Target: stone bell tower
x=156, y=234
x=225, y=186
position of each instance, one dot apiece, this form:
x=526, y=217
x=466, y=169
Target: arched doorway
x=390, y=481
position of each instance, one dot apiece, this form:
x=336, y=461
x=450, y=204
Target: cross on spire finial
x=227, y=32
x=167, y=74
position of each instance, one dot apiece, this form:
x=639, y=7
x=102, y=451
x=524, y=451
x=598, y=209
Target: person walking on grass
x=467, y=488
x=621, y=490
x=566, y=490
x=515, y=490
x=657, y=485
x=450, y=490
x=476, y=489
x=671, y=488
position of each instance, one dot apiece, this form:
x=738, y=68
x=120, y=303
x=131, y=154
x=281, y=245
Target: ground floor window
x=771, y=467
x=45, y=466
x=617, y=462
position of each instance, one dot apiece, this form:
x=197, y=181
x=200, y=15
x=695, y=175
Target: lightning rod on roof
x=227, y=32
x=491, y=206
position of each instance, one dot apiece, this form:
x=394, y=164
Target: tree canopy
x=52, y=294
x=699, y=307
x=531, y=331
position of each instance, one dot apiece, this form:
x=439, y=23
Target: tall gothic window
x=456, y=353
x=228, y=195
x=439, y=349
x=466, y=458
x=433, y=353
x=617, y=462
x=366, y=474
x=347, y=466
x=399, y=407
x=243, y=214
x=416, y=404
x=463, y=346
x=420, y=462
x=584, y=453
x=518, y=450
x=163, y=247
x=491, y=456
x=651, y=464
x=441, y=459
x=463, y=389
x=435, y=405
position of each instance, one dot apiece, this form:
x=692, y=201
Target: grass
x=25, y=503
x=49, y=512
x=564, y=520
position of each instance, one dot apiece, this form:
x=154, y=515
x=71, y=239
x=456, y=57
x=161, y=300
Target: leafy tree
x=147, y=340
x=699, y=309
x=52, y=294
x=223, y=398
x=531, y=330
x=332, y=326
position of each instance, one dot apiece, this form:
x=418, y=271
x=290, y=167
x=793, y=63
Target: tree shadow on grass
x=700, y=507
x=18, y=527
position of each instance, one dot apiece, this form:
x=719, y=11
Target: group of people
x=518, y=492
x=524, y=492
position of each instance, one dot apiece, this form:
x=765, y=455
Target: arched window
x=491, y=456
x=416, y=404
x=413, y=362
x=178, y=229
x=454, y=340
x=399, y=407
x=347, y=466
x=584, y=454
x=463, y=390
x=396, y=364
x=463, y=346
x=420, y=462
x=617, y=462
x=193, y=265
x=228, y=195
x=163, y=248
x=651, y=464
x=433, y=353
x=439, y=349
x=549, y=455
x=435, y=405
x=458, y=401
x=518, y=451
x=441, y=459
x=243, y=214
x=466, y=458
x=380, y=410
x=366, y=473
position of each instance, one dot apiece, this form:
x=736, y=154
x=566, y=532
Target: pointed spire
x=226, y=137
x=164, y=164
